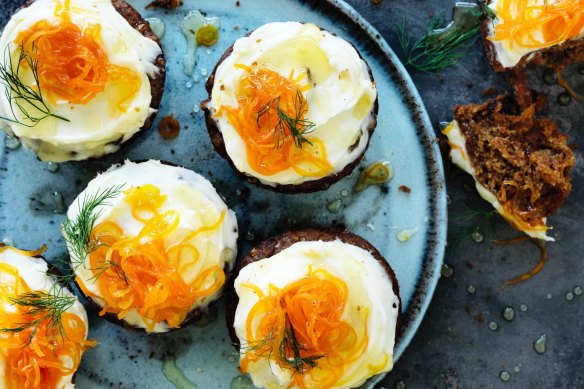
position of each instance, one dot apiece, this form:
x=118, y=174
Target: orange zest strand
x=28, y=253
x=312, y=307
x=147, y=270
x=535, y=25
x=540, y=265
x=43, y=359
x=567, y=87
x=268, y=151
x=72, y=64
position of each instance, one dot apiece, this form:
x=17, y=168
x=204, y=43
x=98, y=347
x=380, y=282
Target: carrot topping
x=299, y=327
x=40, y=359
x=72, y=64
x=274, y=145
x=538, y=24
x=147, y=269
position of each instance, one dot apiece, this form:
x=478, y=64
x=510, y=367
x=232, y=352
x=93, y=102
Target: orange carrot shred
x=43, y=359
x=313, y=307
x=152, y=266
x=268, y=152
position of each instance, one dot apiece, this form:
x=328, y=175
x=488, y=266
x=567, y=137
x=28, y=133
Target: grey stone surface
x=453, y=348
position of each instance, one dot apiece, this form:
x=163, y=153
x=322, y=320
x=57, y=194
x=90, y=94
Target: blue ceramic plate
x=34, y=197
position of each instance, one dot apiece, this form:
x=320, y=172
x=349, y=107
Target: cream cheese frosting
x=340, y=101
x=369, y=288
x=95, y=128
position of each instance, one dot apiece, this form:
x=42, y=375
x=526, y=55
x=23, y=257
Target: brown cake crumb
x=523, y=160
x=168, y=4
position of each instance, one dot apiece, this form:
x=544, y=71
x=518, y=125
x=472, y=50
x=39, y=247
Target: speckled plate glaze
x=33, y=197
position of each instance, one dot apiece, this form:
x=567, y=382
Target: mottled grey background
x=453, y=348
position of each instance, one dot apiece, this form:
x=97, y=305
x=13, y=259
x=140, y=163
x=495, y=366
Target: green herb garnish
x=48, y=306
x=289, y=342
x=288, y=345
x=467, y=221
x=289, y=124
x=78, y=232
x=28, y=100
x=444, y=44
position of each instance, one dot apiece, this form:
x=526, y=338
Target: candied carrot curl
x=271, y=150
x=146, y=270
x=42, y=359
x=313, y=307
x=538, y=24
x=71, y=63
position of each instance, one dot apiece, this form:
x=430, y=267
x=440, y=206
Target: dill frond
x=289, y=124
x=29, y=100
x=77, y=232
x=47, y=307
x=443, y=44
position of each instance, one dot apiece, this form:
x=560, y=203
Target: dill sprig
x=289, y=124
x=47, y=306
x=29, y=100
x=440, y=47
x=78, y=232
x=288, y=343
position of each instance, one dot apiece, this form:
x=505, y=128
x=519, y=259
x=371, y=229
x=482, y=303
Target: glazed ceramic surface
x=35, y=195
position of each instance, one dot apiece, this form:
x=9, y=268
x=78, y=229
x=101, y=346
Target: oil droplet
x=493, y=326
x=578, y=291
x=540, y=344
x=157, y=26
x=52, y=167
x=8, y=241
x=345, y=192
x=241, y=382
x=448, y=200
x=199, y=370
x=249, y=236
x=174, y=374
x=204, y=72
x=169, y=127
x=334, y=206
x=549, y=77
x=523, y=307
x=231, y=359
x=399, y=384
x=378, y=173
x=189, y=85
x=405, y=235
x=569, y=296
x=12, y=143
x=196, y=79
x=447, y=271
x=59, y=203
x=465, y=17
x=549, y=296
x=477, y=236
x=198, y=30
x=471, y=289
x=196, y=108
x=505, y=376
x=564, y=98
x=517, y=369
x=508, y=313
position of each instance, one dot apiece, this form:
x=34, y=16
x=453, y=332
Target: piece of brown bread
x=523, y=160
